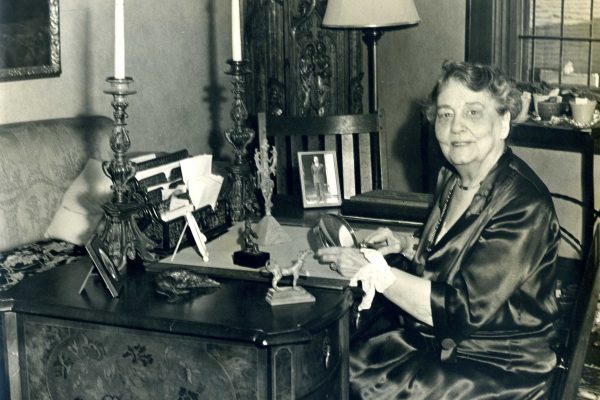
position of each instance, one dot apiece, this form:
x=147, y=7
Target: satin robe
x=492, y=300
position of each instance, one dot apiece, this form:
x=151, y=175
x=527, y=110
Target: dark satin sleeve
x=510, y=249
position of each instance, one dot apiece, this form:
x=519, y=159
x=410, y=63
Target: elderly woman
x=477, y=303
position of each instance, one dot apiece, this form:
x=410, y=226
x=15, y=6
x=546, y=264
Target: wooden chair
x=563, y=158
x=357, y=140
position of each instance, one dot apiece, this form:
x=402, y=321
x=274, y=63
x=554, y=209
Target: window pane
x=547, y=17
x=577, y=17
x=595, y=76
x=547, y=60
x=575, y=69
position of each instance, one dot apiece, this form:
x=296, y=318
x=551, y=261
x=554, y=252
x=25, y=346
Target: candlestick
x=236, y=36
x=120, y=238
x=241, y=190
x=119, y=39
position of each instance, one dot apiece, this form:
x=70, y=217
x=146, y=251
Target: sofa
x=39, y=160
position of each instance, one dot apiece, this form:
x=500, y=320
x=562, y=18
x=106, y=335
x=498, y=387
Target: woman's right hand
x=386, y=242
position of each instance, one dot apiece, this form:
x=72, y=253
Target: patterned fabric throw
x=33, y=258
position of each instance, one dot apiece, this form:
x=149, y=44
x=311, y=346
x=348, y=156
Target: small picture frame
x=319, y=179
x=103, y=266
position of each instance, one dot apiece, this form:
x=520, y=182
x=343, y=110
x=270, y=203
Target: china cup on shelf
x=582, y=109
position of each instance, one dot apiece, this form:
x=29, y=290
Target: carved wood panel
x=298, y=67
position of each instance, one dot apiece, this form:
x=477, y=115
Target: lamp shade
x=370, y=13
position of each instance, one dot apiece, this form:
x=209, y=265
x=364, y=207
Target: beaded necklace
x=463, y=187
x=434, y=233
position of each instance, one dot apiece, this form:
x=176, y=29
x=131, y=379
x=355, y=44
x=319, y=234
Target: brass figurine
x=269, y=230
x=278, y=295
x=250, y=255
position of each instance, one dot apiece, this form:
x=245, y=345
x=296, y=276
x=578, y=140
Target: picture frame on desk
x=103, y=266
x=319, y=179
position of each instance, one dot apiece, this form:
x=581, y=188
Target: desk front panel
x=61, y=359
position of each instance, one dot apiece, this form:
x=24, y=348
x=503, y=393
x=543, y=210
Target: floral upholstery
x=38, y=162
x=37, y=257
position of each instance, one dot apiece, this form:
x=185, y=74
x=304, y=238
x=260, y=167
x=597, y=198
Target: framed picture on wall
x=30, y=45
x=319, y=179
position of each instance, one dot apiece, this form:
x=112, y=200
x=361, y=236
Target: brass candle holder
x=119, y=239
x=241, y=190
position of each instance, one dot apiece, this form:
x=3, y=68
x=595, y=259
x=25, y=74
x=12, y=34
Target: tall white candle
x=236, y=36
x=119, y=39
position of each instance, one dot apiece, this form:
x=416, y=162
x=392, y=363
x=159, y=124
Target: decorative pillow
x=36, y=257
x=81, y=207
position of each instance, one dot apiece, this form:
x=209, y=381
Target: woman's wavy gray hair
x=477, y=77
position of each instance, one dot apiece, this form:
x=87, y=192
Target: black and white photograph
x=319, y=179
x=300, y=199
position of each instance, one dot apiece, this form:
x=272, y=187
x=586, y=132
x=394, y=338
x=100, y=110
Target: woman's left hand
x=345, y=260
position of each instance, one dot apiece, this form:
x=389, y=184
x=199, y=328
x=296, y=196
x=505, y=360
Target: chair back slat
x=351, y=136
x=563, y=159
x=348, y=168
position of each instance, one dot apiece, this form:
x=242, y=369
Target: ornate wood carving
x=300, y=68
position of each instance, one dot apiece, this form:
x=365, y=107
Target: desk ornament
x=119, y=238
x=268, y=229
x=250, y=255
x=240, y=189
x=168, y=184
x=294, y=294
x=179, y=284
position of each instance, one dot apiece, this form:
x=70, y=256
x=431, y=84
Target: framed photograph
x=103, y=266
x=29, y=44
x=319, y=179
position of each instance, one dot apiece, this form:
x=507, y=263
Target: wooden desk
x=225, y=344
x=220, y=262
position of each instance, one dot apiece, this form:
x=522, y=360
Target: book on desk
x=388, y=206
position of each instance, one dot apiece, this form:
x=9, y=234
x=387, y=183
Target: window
x=556, y=41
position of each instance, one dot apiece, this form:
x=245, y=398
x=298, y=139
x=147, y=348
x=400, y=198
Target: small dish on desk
x=178, y=284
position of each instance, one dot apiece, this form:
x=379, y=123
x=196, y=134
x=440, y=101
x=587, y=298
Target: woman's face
x=468, y=127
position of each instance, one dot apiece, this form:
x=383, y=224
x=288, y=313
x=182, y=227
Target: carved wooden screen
x=298, y=67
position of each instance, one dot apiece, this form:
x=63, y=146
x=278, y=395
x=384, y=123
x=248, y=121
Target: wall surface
x=176, y=52
x=409, y=63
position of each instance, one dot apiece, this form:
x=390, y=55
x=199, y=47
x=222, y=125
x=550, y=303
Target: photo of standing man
x=318, y=178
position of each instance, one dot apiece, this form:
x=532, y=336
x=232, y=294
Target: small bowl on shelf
x=549, y=109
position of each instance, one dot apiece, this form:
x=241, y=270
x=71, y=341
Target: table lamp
x=373, y=17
